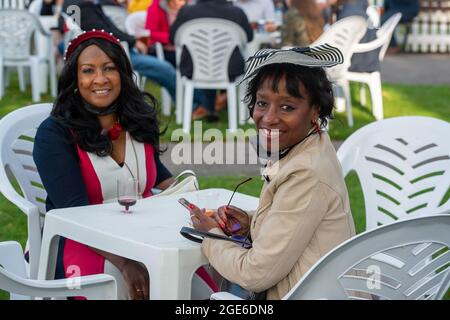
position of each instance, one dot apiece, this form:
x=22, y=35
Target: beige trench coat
x=303, y=213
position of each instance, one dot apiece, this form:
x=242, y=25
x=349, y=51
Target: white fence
x=14, y=4
x=430, y=30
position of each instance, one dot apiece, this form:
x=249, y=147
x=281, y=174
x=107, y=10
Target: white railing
x=14, y=4
x=430, y=30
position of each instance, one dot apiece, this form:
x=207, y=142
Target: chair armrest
x=159, y=51
x=369, y=46
x=224, y=296
x=99, y=286
x=13, y=196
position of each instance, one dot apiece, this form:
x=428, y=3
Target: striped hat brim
x=318, y=56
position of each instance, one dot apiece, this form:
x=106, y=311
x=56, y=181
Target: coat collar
x=271, y=168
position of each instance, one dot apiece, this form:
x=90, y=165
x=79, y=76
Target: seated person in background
x=304, y=209
x=259, y=10
x=101, y=128
x=160, y=16
x=303, y=23
x=211, y=9
x=409, y=10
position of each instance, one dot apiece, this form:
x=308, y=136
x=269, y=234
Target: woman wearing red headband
x=101, y=127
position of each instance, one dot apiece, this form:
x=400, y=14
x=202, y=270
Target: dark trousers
x=408, y=8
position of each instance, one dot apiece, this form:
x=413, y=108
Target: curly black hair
x=314, y=79
x=137, y=111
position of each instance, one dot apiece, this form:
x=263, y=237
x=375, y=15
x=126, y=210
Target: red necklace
x=114, y=132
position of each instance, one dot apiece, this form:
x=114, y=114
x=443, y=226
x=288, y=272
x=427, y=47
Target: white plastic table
x=149, y=235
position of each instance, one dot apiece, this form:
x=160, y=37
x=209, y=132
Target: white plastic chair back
x=403, y=165
x=117, y=15
x=73, y=29
x=16, y=30
x=135, y=24
x=406, y=260
x=13, y=4
x=373, y=79
x=344, y=35
x=35, y=7
x=386, y=31
x=17, y=132
x=210, y=42
x=14, y=280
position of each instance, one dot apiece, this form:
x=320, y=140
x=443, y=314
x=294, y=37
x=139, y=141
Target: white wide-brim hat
x=318, y=56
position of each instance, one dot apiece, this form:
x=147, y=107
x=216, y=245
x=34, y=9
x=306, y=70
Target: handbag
x=186, y=181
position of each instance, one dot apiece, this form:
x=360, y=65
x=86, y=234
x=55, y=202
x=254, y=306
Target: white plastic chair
x=403, y=165
x=135, y=26
x=17, y=132
x=117, y=15
x=373, y=17
x=210, y=42
x=16, y=30
x=373, y=79
x=13, y=279
x=344, y=35
x=35, y=7
x=405, y=260
x=73, y=29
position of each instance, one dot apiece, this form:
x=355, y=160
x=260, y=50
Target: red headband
x=86, y=35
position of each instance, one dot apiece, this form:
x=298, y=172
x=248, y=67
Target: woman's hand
x=136, y=277
x=201, y=221
x=236, y=220
x=134, y=274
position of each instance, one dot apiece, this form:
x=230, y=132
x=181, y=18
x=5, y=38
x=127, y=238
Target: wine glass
x=127, y=193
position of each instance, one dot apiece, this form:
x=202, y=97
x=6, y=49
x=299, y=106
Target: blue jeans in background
x=159, y=71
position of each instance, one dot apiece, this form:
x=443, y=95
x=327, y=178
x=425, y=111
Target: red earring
x=316, y=126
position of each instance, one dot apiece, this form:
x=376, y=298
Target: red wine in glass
x=127, y=193
x=127, y=203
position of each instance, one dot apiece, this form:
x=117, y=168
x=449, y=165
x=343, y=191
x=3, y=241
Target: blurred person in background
x=138, y=5
x=409, y=10
x=303, y=23
x=160, y=16
x=259, y=10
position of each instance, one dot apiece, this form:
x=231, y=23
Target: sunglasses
x=236, y=225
